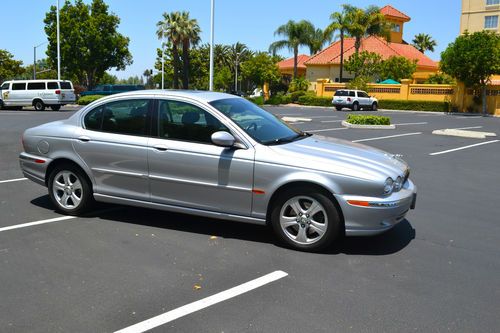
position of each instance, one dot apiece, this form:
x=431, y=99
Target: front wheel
x=374, y=106
x=305, y=219
x=70, y=190
x=39, y=106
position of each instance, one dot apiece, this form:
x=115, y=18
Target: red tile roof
x=288, y=63
x=331, y=54
x=391, y=11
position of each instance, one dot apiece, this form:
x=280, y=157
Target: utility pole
x=236, y=74
x=34, y=59
x=211, y=85
x=58, y=45
x=162, y=59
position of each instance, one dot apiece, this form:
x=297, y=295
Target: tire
x=55, y=107
x=355, y=106
x=67, y=184
x=1, y=105
x=39, y=106
x=374, y=106
x=301, y=230
x=338, y=108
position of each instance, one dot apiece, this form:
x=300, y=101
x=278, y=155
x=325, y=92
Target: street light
x=34, y=58
x=211, y=85
x=236, y=74
x=58, y=45
x=162, y=59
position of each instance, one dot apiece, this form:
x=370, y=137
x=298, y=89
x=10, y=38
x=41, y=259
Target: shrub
x=257, y=100
x=314, y=100
x=414, y=105
x=298, y=84
x=294, y=96
x=86, y=100
x=368, y=120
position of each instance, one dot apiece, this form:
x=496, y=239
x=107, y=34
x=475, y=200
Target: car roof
x=207, y=96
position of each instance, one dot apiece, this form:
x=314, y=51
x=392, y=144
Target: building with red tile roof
x=286, y=66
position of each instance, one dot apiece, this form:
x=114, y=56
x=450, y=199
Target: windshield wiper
x=299, y=136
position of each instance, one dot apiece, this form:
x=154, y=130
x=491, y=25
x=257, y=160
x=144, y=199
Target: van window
x=36, y=86
x=18, y=86
x=352, y=94
x=66, y=85
x=52, y=85
x=5, y=86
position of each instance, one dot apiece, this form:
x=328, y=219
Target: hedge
x=85, y=100
x=315, y=101
x=368, y=120
x=256, y=100
x=414, y=105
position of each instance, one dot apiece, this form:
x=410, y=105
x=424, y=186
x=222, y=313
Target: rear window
x=341, y=93
x=18, y=86
x=36, y=86
x=66, y=85
x=52, y=85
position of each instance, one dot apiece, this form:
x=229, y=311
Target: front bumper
x=34, y=167
x=376, y=215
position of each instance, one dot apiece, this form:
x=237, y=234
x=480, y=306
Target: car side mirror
x=223, y=139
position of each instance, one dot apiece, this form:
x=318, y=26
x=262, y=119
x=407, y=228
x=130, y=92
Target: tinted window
x=352, y=94
x=106, y=88
x=66, y=85
x=18, y=86
x=126, y=117
x=362, y=94
x=183, y=121
x=341, y=93
x=5, y=86
x=36, y=86
x=93, y=119
x=52, y=85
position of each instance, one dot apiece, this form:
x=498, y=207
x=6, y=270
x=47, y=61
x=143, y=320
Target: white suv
x=37, y=93
x=354, y=100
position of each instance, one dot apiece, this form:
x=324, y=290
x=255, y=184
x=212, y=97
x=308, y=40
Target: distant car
x=238, y=93
x=218, y=156
x=37, y=93
x=354, y=100
x=110, y=89
x=257, y=92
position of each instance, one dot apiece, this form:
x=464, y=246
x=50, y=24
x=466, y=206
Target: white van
x=37, y=93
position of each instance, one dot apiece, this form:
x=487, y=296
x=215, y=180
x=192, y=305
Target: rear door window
x=18, y=86
x=362, y=94
x=128, y=117
x=52, y=85
x=352, y=94
x=66, y=85
x=36, y=86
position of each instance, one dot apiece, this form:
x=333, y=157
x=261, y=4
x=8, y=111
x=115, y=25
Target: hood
x=341, y=157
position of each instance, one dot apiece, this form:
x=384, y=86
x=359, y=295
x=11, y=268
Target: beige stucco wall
x=332, y=72
x=473, y=14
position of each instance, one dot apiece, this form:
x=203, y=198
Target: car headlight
x=398, y=184
x=388, y=186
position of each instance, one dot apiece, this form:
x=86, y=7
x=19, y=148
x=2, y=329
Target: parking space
x=119, y=266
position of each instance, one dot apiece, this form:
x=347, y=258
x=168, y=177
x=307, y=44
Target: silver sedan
x=220, y=156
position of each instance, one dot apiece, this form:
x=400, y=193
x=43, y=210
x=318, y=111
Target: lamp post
x=58, y=45
x=34, y=58
x=236, y=73
x=162, y=59
x=212, y=8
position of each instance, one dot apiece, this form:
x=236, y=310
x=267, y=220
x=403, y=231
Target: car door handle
x=84, y=138
x=160, y=147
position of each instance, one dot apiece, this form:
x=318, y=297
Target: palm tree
x=170, y=27
x=190, y=36
x=424, y=42
x=296, y=34
x=341, y=22
x=317, y=41
x=239, y=52
x=367, y=22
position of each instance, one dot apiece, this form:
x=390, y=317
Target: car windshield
x=262, y=126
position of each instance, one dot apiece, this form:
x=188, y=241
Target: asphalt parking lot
x=437, y=271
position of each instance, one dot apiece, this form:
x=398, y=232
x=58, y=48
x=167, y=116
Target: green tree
x=261, y=68
x=366, y=22
x=397, y=68
x=440, y=78
x=341, y=22
x=424, y=42
x=316, y=41
x=190, y=36
x=238, y=53
x=108, y=79
x=90, y=42
x=9, y=67
x=299, y=84
x=365, y=64
x=296, y=34
x=473, y=59
x=170, y=27
x=43, y=71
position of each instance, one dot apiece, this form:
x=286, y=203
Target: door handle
x=84, y=138
x=160, y=147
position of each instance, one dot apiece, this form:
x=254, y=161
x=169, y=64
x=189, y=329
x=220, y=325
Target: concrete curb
x=348, y=125
x=464, y=134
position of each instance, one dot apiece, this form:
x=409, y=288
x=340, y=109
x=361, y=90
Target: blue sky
x=250, y=22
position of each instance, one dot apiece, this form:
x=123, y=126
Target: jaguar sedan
x=219, y=156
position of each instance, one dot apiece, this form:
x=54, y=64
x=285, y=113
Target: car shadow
x=390, y=242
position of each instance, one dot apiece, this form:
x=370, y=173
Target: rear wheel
x=355, y=106
x=374, y=106
x=55, y=107
x=70, y=190
x=39, y=106
x=1, y=105
x=305, y=219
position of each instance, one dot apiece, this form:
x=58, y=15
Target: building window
x=491, y=22
x=396, y=28
x=492, y=2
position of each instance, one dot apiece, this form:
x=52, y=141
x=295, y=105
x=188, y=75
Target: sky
x=250, y=22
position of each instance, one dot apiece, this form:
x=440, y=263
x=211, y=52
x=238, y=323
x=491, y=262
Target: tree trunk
x=485, y=109
x=341, y=54
x=295, y=61
x=185, y=62
x=175, y=53
x=357, y=44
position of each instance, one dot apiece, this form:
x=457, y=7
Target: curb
x=349, y=125
x=464, y=134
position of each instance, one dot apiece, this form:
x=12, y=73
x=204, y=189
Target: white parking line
x=387, y=137
x=405, y=124
x=465, y=147
x=12, y=180
x=331, y=121
x=30, y=224
x=326, y=129
x=203, y=303
x=323, y=117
